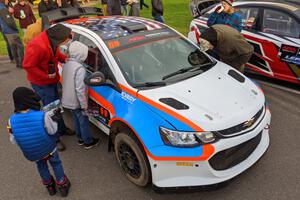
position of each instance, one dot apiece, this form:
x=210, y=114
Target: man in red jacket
x=40, y=61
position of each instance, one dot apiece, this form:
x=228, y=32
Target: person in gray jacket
x=75, y=93
x=157, y=10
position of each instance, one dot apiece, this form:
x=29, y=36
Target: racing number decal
x=99, y=112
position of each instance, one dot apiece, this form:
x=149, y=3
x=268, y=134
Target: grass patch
x=176, y=15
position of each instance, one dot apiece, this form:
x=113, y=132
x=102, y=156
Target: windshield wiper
x=181, y=71
x=150, y=84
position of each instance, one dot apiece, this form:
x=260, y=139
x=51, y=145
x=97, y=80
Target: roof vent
x=132, y=27
x=236, y=76
x=174, y=103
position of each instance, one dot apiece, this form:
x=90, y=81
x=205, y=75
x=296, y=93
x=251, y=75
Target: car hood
x=213, y=100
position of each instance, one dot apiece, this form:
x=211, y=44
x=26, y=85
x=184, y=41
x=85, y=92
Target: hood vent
x=174, y=103
x=236, y=76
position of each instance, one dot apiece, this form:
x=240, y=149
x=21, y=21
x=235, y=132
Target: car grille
x=240, y=127
x=230, y=157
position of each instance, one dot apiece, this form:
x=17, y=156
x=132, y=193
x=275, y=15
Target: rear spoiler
x=62, y=14
x=199, y=7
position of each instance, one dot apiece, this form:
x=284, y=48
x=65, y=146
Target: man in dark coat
x=23, y=12
x=157, y=10
x=230, y=45
x=114, y=7
x=46, y=5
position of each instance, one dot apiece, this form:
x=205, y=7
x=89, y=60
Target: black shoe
x=95, y=142
x=68, y=132
x=51, y=187
x=64, y=187
x=60, y=145
x=80, y=142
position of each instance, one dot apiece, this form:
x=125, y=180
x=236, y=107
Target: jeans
x=81, y=125
x=159, y=18
x=16, y=47
x=55, y=162
x=48, y=94
x=10, y=55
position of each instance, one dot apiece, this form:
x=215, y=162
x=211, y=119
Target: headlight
x=186, y=139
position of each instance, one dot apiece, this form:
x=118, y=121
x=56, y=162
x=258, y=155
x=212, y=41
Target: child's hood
x=78, y=51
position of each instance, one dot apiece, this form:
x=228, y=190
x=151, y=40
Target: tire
x=132, y=160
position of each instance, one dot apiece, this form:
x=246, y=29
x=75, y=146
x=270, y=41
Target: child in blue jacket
x=225, y=15
x=34, y=131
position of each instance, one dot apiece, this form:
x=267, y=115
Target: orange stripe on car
x=106, y=104
x=207, y=150
x=162, y=108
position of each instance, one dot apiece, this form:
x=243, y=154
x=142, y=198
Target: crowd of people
x=31, y=125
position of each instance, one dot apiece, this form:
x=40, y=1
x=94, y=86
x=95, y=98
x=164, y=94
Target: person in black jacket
x=114, y=7
x=142, y=3
x=157, y=10
x=46, y=5
x=67, y=3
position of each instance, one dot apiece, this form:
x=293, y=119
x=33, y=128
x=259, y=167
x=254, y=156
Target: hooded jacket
x=74, y=91
x=36, y=61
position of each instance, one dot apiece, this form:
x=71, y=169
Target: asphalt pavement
x=95, y=173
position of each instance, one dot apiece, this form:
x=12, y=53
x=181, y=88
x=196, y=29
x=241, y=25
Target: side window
x=95, y=60
x=280, y=23
x=249, y=17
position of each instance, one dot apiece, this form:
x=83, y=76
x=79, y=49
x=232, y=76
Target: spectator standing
x=229, y=44
x=11, y=57
x=23, y=12
x=114, y=7
x=142, y=3
x=32, y=31
x=41, y=59
x=104, y=7
x=157, y=10
x=32, y=129
x=45, y=6
x=11, y=33
x=124, y=9
x=225, y=14
x=75, y=93
x=134, y=8
x=67, y=3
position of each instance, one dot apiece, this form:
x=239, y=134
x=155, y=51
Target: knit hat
x=230, y=2
x=58, y=34
x=25, y=98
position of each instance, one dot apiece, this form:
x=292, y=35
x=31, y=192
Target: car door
x=101, y=97
x=251, y=22
x=281, y=31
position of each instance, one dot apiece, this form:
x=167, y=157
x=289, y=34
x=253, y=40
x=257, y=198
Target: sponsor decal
x=289, y=54
x=127, y=97
x=98, y=111
x=292, y=59
x=184, y=164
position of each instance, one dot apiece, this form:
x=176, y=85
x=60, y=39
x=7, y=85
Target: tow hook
x=267, y=127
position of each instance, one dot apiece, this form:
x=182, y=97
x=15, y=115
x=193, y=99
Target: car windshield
x=155, y=63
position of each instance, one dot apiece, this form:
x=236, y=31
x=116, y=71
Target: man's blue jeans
x=81, y=125
x=159, y=18
x=49, y=93
x=55, y=162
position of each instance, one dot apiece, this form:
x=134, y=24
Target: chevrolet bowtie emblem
x=249, y=123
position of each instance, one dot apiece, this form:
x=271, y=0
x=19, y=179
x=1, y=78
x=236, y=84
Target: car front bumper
x=199, y=173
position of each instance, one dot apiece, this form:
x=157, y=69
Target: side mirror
x=95, y=79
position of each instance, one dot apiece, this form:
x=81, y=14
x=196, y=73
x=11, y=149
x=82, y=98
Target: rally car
x=272, y=27
x=175, y=116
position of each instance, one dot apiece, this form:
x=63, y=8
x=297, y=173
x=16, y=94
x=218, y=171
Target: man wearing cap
x=225, y=14
x=40, y=62
x=231, y=47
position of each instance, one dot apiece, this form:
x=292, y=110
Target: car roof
x=113, y=27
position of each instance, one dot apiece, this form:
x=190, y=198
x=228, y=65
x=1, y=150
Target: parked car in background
x=272, y=27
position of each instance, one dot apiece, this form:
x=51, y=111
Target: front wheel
x=132, y=160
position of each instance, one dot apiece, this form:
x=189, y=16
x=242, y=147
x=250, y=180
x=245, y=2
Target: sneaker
x=80, y=142
x=95, y=142
x=68, y=132
x=64, y=187
x=51, y=187
x=60, y=145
